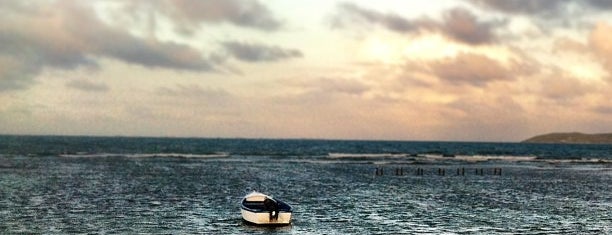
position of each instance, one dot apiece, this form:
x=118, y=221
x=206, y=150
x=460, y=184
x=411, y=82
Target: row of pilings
x=399, y=171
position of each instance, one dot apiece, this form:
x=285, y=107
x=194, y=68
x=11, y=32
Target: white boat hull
x=263, y=218
x=260, y=209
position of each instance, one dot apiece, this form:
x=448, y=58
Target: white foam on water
x=465, y=158
x=483, y=158
x=146, y=155
x=582, y=160
x=366, y=155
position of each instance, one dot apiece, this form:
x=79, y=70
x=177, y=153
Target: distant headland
x=571, y=138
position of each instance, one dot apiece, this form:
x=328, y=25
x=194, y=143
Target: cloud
x=252, y=52
x=485, y=116
x=192, y=101
x=330, y=85
x=188, y=16
x=458, y=23
x=14, y=74
x=95, y=37
x=340, y=85
x=540, y=7
x=472, y=69
x=463, y=26
x=66, y=35
x=321, y=90
x=88, y=86
x=239, y=12
x=599, y=42
x=601, y=4
x=522, y=6
x=193, y=94
x=603, y=109
x=351, y=13
x=193, y=91
x=562, y=88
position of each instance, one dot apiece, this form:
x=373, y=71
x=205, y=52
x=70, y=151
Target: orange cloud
x=472, y=69
x=600, y=41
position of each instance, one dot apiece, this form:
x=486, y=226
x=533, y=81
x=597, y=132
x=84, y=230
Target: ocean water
x=118, y=185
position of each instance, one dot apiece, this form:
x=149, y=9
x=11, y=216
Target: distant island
x=571, y=138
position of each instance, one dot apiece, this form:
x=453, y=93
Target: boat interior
x=259, y=205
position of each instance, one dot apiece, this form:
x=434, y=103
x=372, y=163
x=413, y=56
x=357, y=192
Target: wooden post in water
x=399, y=171
x=379, y=171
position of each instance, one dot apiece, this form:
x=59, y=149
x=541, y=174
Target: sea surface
x=120, y=185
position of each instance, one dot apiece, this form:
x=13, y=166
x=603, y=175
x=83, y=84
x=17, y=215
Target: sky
x=451, y=70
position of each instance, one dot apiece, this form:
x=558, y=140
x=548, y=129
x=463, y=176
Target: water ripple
x=57, y=195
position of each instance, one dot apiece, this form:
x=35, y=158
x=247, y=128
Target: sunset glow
x=468, y=70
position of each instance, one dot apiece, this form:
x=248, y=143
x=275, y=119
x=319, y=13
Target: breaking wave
x=366, y=155
x=439, y=158
x=145, y=155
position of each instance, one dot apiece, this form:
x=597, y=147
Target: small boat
x=260, y=209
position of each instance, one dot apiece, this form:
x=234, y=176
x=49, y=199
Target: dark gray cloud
x=458, y=23
x=351, y=13
x=246, y=13
x=187, y=16
x=540, y=7
x=98, y=38
x=66, y=35
x=601, y=4
x=14, y=74
x=522, y=6
x=252, y=52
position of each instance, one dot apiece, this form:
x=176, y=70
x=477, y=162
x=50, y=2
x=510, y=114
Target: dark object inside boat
x=259, y=206
x=272, y=206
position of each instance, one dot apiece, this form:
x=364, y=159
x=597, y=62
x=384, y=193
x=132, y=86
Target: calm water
x=184, y=186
